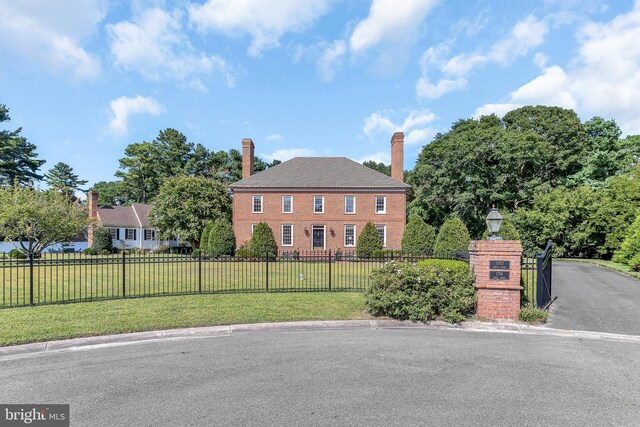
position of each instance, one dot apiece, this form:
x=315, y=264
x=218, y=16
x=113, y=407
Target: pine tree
x=62, y=179
x=18, y=157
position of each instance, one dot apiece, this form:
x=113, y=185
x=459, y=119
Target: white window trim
x=354, y=205
x=355, y=234
x=314, y=205
x=375, y=207
x=253, y=205
x=144, y=232
x=282, y=234
x=283, y=211
x=384, y=241
x=126, y=234
x=114, y=233
x=253, y=226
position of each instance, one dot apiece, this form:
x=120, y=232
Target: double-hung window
x=256, y=204
x=349, y=235
x=114, y=233
x=350, y=204
x=287, y=235
x=382, y=232
x=287, y=204
x=318, y=204
x=130, y=234
x=149, y=234
x=381, y=204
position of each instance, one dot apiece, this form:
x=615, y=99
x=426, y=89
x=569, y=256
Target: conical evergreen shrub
x=263, y=242
x=418, y=237
x=221, y=239
x=453, y=236
x=368, y=241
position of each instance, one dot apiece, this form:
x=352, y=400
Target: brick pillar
x=496, y=265
x=247, y=157
x=397, y=156
x=92, y=198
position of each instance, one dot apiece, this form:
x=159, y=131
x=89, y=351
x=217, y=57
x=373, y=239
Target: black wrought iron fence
x=536, y=278
x=72, y=277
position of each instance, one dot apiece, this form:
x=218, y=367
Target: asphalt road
x=592, y=298
x=339, y=377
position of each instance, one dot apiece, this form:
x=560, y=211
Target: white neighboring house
x=129, y=225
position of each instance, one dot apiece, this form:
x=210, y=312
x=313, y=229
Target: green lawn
x=102, y=277
x=621, y=268
x=61, y=321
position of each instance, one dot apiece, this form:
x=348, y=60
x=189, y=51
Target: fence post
x=30, y=279
x=267, y=276
x=329, y=269
x=199, y=272
x=124, y=263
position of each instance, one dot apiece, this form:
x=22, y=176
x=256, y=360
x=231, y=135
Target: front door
x=318, y=237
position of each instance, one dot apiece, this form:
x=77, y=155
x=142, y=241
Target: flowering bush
x=422, y=292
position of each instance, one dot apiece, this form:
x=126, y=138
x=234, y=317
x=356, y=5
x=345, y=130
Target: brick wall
x=334, y=218
x=497, y=299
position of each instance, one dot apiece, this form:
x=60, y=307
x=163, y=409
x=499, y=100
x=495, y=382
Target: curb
x=88, y=343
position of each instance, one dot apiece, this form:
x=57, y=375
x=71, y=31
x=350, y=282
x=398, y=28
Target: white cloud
x=275, y=137
x=288, y=154
x=603, y=78
x=125, y=107
x=525, y=36
x=264, y=21
x=154, y=45
x=330, y=59
x=53, y=35
x=414, y=125
x=390, y=20
x=498, y=109
x=381, y=157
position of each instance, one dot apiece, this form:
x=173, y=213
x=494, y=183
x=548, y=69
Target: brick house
x=321, y=203
x=129, y=225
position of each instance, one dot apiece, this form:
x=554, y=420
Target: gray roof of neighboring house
x=125, y=216
x=319, y=172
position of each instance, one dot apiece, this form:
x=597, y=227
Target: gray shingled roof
x=319, y=172
x=125, y=216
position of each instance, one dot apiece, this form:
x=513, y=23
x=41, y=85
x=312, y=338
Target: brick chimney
x=397, y=156
x=247, y=157
x=92, y=198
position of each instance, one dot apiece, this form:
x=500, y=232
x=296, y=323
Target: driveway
x=339, y=377
x=593, y=298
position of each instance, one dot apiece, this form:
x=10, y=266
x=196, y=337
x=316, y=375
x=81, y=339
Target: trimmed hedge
x=102, y=240
x=17, y=254
x=222, y=240
x=418, y=237
x=263, y=242
x=368, y=241
x=204, y=237
x=453, y=236
x=429, y=290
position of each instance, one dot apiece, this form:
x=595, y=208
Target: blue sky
x=85, y=78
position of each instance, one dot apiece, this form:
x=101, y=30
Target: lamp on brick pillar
x=494, y=222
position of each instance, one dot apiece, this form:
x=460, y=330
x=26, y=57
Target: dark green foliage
x=102, y=240
x=111, y=193
x=204, y=237
x=634, y=263
x=222, y=240
x=18, y=158
x=380, y=167
x=419, y=237
x=453, y=236
x=532, y=314
x=263, y=242
x=447, y=264
x=90, y=251
x=508, y=230
x=17, y=254
x=630, y=247
x=62, y=179
x=368, y=241
x=387, y=253
x=422, y=292
x=244, y=252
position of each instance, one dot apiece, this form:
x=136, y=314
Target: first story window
x=287, y=204
x=349, y=235
x=253, y=227
x=287, y=235
x=130, y=234
x=114, y=233
x=381, y=204
x=350, y=204
x=382, y=232
x=149, y=234
x=257, y=204
x=318, y=204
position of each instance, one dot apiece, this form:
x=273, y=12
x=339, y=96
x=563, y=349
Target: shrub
x=90, y=251
x=368, y=241
x=162, y=249
x=630, y=247
x=244, y=251
x=532, y=314
x=508, y=230
x=204, y=237
x=263, y=242
x=17, y=254
x=418, y=237
x=196, y=253
x=422, y=292
x=386, y=253
x=221, y=239
x=634, y=263
x=453, y=236
x=102, y=240
x=446, y=264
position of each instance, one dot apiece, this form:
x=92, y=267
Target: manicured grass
x=621, y=268
x=44, y=323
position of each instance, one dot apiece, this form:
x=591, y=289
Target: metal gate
x=537, y=278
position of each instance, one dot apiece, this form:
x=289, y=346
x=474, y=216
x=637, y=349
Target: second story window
x=287, y=204
x=318, y=204
x=350, y=204
x=381, y=204
x=257, y=204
